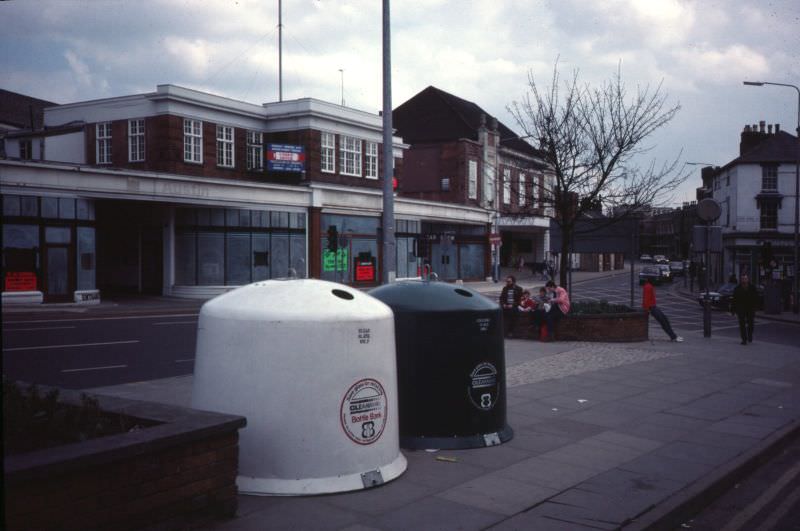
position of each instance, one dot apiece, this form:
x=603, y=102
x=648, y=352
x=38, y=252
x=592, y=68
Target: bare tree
x=593, y=139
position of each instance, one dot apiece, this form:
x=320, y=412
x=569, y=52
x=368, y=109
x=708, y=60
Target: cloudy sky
x=73, y=50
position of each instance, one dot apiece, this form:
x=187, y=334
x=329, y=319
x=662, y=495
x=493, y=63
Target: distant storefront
x=455, y=251
x=48, y=245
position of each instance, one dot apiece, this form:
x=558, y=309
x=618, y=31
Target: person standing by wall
x=510, y=298
x=745, y=301
x=559, y=307
x=649, y=305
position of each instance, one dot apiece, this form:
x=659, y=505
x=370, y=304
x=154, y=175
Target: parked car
x=665, y=273
x=677, y=268
x=660, y=259
x=651, y=272
x=723, y=296
x=645, y=258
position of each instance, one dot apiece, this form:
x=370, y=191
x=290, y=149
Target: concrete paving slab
x=547, y=473
x=498, y=494
x=439, y=514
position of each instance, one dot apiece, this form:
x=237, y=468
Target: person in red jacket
x=649, y=305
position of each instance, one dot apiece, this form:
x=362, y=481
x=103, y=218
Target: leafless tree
x=594, y=140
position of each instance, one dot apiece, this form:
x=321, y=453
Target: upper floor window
x=522, y=194
x=225, y=146
x=193, y=141
x=472, y=178
x=25, y=149
x=328, y=147
x=371, y=167
x=769, y=215
x=350, y=159
x=135, y=140
x=769, y=177
x=255, y=150
x=535, y=190
x=506, y=186
x=103, y=139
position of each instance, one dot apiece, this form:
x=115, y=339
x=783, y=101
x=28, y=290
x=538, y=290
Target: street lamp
x=796, y=291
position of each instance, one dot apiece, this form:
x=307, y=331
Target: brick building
x=186, y=193
x=459, y=154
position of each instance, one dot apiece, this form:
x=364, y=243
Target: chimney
x=752, y=137
x=769, y=129
x=777, y=128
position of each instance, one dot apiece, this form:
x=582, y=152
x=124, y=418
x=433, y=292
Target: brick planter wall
x=173, y=475
x=618, y=327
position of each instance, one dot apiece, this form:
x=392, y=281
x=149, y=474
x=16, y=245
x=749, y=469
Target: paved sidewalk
x=606, y=436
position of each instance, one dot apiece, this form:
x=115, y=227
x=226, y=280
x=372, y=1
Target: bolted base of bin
x=310, y=486
x=458, y=443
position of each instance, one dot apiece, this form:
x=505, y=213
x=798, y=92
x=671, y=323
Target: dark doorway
x=130, y=247
x=58, y=264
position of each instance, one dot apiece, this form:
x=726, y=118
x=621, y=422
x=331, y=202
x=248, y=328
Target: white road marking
x=751, y=510
x=95, y=368
x=37, y=329
x=50, y=347
x=160, y=316
x=163, y=323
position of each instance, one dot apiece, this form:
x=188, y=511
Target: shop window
x=279, y=251
x=25, y=149
x=260, y=257
x=237, y=259
x=86, y=269
x=66, y=208
x=280, y=220
x=57, y=235
x=185, y=259
x=84, y=209
x=50, y=207
x=210, y=258
x=11, y=205
x=29, y=206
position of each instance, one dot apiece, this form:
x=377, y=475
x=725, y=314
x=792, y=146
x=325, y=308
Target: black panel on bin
x=450, y=365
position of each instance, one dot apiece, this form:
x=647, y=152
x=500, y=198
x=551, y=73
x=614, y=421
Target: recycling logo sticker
x=484, y=386
x=363, y=411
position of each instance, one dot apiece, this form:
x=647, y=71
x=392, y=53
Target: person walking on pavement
x=745, y=300
x=510, y=298
x=649, y=305
x=558, y=309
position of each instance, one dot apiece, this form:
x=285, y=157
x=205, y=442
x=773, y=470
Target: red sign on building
x=365, y=271
x=20, y=281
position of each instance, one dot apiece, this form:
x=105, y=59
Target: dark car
x=677, y=269
x=651, y=272
x=723, y=296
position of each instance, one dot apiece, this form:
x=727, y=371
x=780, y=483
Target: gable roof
x=434, y=115
x=16, y=110
x=780, y=147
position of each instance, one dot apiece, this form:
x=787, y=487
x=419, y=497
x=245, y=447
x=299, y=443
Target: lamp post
x=795, y=290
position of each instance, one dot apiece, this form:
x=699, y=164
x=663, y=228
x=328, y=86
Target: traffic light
x=333, y=238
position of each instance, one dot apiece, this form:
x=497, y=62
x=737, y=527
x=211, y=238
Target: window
x=135, y=140
x=769, y=215
x=103, y=139
x=193, y=141
x=445, y=182
x=255, y=150
x=225, y=146
x=372, y=160
x=727, y=179
x=769, y=177
x=472, y=190
x=25, y=149
x=535, y=190
x=522, y=195
x=328, y=145
x=350, y=160
x=506, y=186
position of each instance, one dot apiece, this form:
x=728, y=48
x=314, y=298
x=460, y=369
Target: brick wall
x=173, y=487
x=626, y=327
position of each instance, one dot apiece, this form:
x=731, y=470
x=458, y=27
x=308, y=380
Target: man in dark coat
x=745, y=301
x=510, y=298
